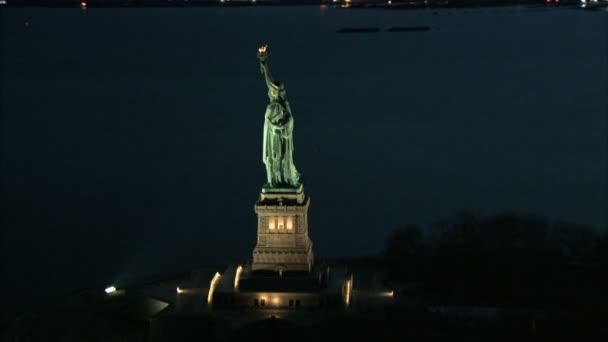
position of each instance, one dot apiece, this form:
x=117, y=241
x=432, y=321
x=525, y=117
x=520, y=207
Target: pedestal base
x=282, y=259
x=283, y=243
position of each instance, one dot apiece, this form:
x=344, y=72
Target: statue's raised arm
x=263, y=58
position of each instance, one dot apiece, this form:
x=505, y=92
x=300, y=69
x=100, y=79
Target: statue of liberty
x=278, y=132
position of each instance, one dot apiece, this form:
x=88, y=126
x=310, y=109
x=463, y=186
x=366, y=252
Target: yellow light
x=110, y=289
x=262, y=49
x=271, y=223
x=179, y=290
x=289, y=223
x=349, y=288
x=237, y=277
x=275, y=300
x=281, y=222
x=212, y=286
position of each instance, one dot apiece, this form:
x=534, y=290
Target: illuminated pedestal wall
x=282, y=240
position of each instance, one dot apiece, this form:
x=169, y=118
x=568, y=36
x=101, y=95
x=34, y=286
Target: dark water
x=132, y=138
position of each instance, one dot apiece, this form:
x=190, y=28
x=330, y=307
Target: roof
x=286, y=283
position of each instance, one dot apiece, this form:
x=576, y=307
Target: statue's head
x=278, y=91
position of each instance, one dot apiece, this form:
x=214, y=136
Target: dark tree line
x=503, y=260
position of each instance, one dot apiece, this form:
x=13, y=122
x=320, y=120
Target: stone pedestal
x=283, y=243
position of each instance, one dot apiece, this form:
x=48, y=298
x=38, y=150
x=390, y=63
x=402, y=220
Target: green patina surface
x=281, y=172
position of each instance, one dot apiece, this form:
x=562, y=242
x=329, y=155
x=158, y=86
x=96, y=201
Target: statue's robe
x=278, y=145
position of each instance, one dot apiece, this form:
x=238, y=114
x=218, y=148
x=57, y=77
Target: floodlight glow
x=275, y=300
x=178, y=290
x=110, y=289
x=237, y=277
x=212, y=286
x=348, y=290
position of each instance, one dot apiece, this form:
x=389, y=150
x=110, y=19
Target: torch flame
x=262, y=49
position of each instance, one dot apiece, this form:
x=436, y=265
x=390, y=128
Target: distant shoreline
x=341, y=4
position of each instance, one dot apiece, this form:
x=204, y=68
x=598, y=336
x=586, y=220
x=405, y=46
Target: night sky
x=132, y=139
